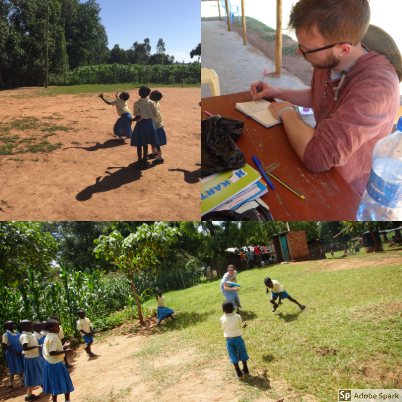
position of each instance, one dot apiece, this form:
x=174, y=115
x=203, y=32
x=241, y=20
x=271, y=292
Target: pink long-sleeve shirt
x=347, y=130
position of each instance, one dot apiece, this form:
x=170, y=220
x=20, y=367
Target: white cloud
x=179, y=56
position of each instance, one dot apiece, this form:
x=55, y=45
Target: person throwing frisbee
x=230, y=291
x=278, y=291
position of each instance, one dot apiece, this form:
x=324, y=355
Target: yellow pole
x=228, y=14
x=219, y=10
x=243, y=19
x=278, y=47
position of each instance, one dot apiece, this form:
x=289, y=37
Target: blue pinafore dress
x=15, y=363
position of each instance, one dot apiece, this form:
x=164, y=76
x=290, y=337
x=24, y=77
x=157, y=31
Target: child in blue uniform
x=122, y=128
x=144, y=132
x=56, y=377
x=63, y=340
x=85, y=328
x=163, y=312
x=278, y=291
x=12, y=348
x=156, y=96
x=232, y=325
x=34, y=365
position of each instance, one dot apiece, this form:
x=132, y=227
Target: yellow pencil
x=288, y=187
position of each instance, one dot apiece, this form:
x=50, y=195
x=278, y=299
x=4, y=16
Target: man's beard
x=331, y=62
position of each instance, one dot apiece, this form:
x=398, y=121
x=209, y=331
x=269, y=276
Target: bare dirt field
x=92, y=175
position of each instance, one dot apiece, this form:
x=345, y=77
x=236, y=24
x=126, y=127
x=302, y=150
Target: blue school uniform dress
x=122, y=128
x=40, y=338
x=144, y=132
x=34, y=365
x=160, y=131
x=230, y=294
x=163, y=312
x=56, y=377
x=15, y=363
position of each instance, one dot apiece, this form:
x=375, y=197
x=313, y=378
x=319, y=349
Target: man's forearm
x=300, y=97
x=298, y=132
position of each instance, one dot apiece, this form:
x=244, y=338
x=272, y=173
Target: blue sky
x=177, y=22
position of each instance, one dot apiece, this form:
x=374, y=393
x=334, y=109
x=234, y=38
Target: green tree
x=139, y=251
x=196, y=51
x=160, y=46
x=24, y=245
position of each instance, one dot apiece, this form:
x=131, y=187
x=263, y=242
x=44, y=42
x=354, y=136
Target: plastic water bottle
x=382, y=199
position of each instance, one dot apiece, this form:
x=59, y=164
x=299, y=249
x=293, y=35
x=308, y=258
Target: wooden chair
x=210, y=76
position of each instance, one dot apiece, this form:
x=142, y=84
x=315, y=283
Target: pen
x=264, y=175
x=207, y=113
x=287, y=186
x=262, y=79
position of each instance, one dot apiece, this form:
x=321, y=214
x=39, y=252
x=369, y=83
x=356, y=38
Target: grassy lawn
x=348, y=337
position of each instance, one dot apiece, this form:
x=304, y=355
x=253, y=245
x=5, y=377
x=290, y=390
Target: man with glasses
x=354, y=91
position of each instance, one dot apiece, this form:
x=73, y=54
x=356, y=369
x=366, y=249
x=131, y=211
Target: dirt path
x=92, y=175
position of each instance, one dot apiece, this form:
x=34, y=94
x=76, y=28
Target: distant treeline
x=76, y=38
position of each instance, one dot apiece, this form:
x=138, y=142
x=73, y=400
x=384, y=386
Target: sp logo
x=344, y=395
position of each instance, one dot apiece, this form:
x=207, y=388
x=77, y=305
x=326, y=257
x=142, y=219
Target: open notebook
x=258, y=110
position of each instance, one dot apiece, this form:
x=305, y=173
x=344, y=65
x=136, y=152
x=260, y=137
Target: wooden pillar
x=228, y=14
x=47, y=46
x=278, y=47
x=243, y=19
x=219, y=10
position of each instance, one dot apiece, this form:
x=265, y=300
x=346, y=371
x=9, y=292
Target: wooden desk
x=329, y=197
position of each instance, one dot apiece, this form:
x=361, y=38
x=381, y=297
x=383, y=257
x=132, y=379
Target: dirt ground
x=93, y=175
x=295, y=65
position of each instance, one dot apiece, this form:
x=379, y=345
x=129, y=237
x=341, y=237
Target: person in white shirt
x=232, y=325
x=86, y=331
x=34, y=365
x=279, y=291
x=56, y=377
x=230, y=291
x=163, y=312
x=61, y=337
x=122, y=128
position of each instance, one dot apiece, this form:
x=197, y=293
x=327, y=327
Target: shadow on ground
x=190, y=177
x=184, y=320
x=121, y=177
x=113, y=143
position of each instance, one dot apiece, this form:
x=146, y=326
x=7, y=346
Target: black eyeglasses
x=322, y=48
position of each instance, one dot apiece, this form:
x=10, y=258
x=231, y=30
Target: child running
x=156, y=96
x=163, y=312
x=38, y=326
x=279, y=291
x=122, y=128
x=144, y=132
x=13, y=350
x=232, y=325
x=85, y=328
x=56, y=377
x=63, y=340
x=34, y=365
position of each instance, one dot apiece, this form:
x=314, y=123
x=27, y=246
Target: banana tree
x=139, y=251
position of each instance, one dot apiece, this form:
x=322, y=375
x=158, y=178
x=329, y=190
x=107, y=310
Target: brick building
x=290, y=245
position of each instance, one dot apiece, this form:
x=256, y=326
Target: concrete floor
x=238, y=65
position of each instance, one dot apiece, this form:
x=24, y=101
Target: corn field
x=134, y=73
x=100, y=296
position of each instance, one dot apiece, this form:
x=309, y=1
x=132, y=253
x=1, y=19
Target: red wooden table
x=328, y=195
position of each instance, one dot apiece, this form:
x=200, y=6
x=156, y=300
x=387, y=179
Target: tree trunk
x=397, y=232
x=375, y=241
x=136, y=300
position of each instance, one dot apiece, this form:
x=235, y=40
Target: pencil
x=285, y=185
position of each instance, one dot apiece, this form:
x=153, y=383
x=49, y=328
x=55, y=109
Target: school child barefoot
x=85, y=328
x=163, y=312
x=63, y=340
x=56, y=377
x=278, y=291
x=34, y=365
x=12, y=349
x=122, y=128
x=144, y=132
x=156, y=96
x=232, y=325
